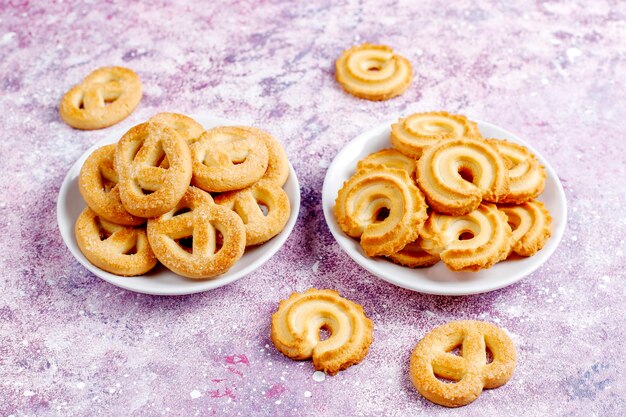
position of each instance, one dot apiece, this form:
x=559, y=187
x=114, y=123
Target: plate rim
x=459, y=290
x=198, y=285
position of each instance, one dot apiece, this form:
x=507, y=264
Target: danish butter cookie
x=186, y=239
x=297, y=324
x=411, y=134
x=469, y=242
x=97, y=183
x=469, y=372
x=185, y=126
x=383, y=207
x=527, y=177
x=373, y=72
x=277, y=164
x=247, y=203
x=146, y=189
x=105, y=97
x=228, y=158
x=456, y=175
x=531, y=226
x=121, y=250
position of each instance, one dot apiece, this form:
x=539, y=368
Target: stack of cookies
x=172, y=192
x=445, y=193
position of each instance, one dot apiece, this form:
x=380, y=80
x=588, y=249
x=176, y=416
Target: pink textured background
x=552, y=72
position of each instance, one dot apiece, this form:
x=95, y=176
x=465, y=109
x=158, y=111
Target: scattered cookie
x=105, y=97
x=531, y=226
x=121, y=250
x=470, y=371
x=373, y=72
x=383, y=207
x=456, y=175
x=297, y=324
x=411, y=134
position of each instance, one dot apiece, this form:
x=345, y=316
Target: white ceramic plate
x=438, y=279
x=162, y=281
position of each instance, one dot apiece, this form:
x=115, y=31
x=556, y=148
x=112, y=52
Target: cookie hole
x=466, y=174
x=182, y=210
x=382, y=214
x=219, y=240
x=160, y=160
x=186, y=243
x=513, y=220
x=374, y=68
x=489, y=355
x=81, y=105
x=466, y=236
x=456, y=350
x=324, y=333
x=146, y=192
x=445, y=380
x=132, y=250
x=104, y=234
x=264, y=209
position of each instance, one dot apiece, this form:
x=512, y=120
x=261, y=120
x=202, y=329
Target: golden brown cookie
x=411, y=134
x=297, y=324
x=228, y=158
x=97, y=184
x=414, y=256
x=530, y=223
x=456, y=175
x=389, y=158
x=383, y=207
x=146, y=189
x=121, y=250
x=105, y=97
x=527, y=177
x=249, y=204
x=469, y=242
x=197, y=238
x=470, y=371
x=373, y=72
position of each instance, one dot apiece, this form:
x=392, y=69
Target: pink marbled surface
x=553, y=72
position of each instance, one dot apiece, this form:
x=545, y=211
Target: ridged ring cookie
x=469, y=372
x=228, y=158
x=105, y=97
x=390, y=158
x=411, y=134
x=121, y=250
x=260, y=226
x=373, y=72
x=527, y=177
x=146, y=189
x=187, y=241
x=383, y=207
x=297, y=324
x=531, y=226
x=97, y=184
x=456, y=175
x=469, y=242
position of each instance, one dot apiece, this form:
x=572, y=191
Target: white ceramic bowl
x=162, y=281
x=438, y=279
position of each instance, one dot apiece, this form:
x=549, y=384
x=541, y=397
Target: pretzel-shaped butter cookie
x=117, y=249
x=456, y=175
x=105, y=97
x=146, y=189
x=373, y=72
x=97, y=184
x=390, y=158
x=297, y=323
x=470, y=242
x=228, y=158
x=368, y=196
x=410, y=135
x=186, y=239
x=260, y=227
x=531, y=226
x=470, y=371
x=527, y=177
